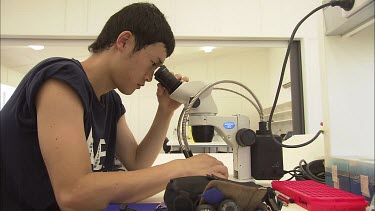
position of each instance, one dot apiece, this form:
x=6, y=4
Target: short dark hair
x=144, y=20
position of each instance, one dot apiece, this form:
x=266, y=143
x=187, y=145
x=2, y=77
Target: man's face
x=139, y=67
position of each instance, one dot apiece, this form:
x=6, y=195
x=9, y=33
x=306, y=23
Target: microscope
x=200, y=111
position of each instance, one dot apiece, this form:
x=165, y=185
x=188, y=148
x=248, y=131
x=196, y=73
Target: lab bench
x=226, y=158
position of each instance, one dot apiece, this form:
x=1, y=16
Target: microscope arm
x=234, y=130
x=199, y=105
x=200, y=109
x=205, y=104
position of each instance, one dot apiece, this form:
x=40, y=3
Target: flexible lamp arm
x=182, y=139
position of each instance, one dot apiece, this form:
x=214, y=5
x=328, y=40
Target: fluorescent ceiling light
x=36, y=47
x=208, y=49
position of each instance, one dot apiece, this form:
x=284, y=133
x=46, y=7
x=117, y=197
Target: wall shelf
x=282, y=121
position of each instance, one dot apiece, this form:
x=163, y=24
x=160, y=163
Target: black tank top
x=25, y=184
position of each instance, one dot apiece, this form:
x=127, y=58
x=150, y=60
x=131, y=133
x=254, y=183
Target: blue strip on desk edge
x=136, y=206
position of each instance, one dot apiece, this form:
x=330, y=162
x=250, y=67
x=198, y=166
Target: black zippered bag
x=183, y=193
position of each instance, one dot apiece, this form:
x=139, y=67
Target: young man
x=65, y=123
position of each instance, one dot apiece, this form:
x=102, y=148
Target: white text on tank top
x=96, y=163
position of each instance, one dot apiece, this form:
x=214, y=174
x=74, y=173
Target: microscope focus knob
x=245, y=137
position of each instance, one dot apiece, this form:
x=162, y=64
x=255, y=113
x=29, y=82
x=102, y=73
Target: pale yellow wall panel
x=37, y=17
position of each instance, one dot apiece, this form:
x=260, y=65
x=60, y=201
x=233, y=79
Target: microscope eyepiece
x=167, y=79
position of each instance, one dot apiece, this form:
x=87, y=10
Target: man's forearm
x=151, y=145
x=96, y=190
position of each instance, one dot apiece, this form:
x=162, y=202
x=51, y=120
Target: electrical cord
x=308, y=173
x=320, y=174
x=294, y=173
x=346, y=5
x=304, y=171
x=181, y=126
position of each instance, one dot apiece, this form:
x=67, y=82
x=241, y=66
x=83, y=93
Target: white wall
x=10, y=77
x=9, y=81
x=254, y=18
x=6, y=93
x=349, y=94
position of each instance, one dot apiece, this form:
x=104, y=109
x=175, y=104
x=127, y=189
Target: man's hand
x=165, y=102
x=202, y=165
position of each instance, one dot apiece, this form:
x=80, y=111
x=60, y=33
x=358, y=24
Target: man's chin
x=127, y=92
x=130, y=92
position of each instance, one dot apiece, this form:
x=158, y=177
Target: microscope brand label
x=229, y=125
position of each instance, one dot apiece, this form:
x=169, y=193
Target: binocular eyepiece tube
x=167, y=79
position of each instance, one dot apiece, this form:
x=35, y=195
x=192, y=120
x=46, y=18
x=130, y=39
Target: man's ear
x=123, y=39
